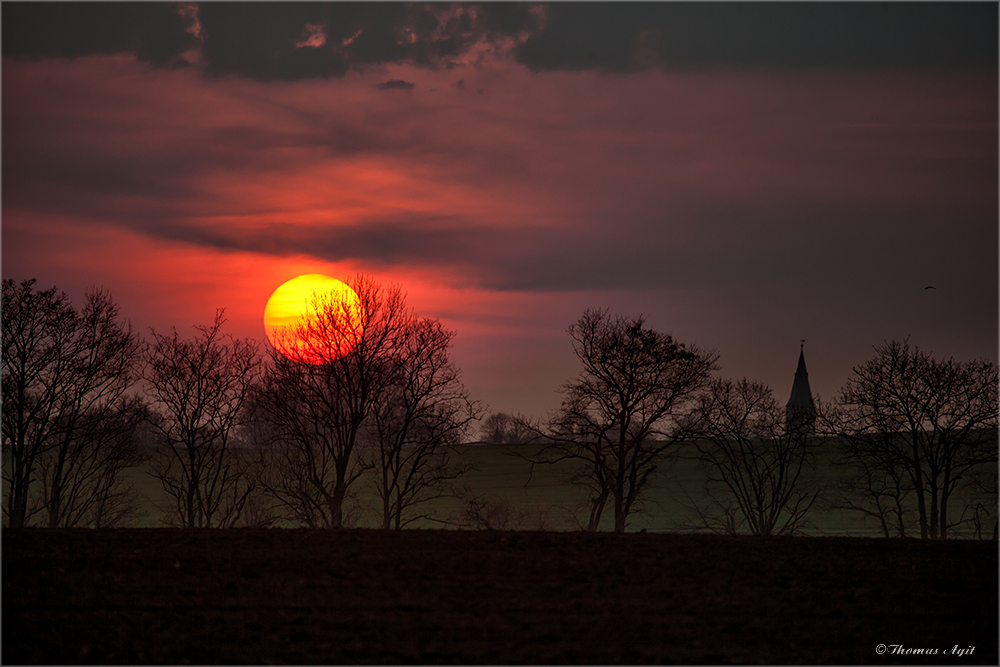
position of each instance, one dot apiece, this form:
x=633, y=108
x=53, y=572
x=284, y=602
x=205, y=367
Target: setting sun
x=312, y=318
x=341, y=331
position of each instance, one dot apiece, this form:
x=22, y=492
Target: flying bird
x=930, y=287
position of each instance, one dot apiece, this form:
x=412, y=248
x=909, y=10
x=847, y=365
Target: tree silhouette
x=627, y=407
x=199, y=388
x=756, y=464
x=423, y=413
x=67, y=412
x=501, y=428
x=314, y=415
x=920, y=423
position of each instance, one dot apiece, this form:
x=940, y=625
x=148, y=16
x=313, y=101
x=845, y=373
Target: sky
x=744, y=175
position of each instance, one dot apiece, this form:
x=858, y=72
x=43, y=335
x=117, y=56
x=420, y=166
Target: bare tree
x=501, y=428
x=935, y=421
x=872, y=481
x=316, y=413
x=37, y=336
x=625, y=409
x=422, y=415
x=756, y=467
x=199, y=387
x=66, y=378
x=81, y=479
x=981, y=503
x=484, y=512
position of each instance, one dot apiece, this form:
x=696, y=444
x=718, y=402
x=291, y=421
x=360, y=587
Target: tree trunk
x=386, y=514
x=18, y=505
x=190, y=504
x=17, y=513
x=56, y=495
x=900, y=510
x=934, y=520
x=387, y=505
x=918, y=488
x=596, y=510
x=885, y=526
x=943, y=516
x=621, y=514
x=335, y=504
x=21, y=465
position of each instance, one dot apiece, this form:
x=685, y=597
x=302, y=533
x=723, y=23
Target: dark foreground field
x=359, y=596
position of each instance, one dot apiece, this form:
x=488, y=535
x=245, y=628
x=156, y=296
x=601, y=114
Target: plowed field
x=166, y=596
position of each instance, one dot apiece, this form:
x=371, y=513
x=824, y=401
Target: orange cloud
x=698, y=198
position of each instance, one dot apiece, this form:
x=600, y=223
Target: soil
x=242, y=596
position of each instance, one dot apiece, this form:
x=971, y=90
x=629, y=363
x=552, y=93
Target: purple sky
x=745, y=175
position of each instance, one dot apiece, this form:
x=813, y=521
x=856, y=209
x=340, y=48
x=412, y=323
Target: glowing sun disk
x=302, y=307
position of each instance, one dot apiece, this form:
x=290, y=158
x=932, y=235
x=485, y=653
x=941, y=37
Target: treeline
x=912, y=434
x=234, y=434
x=240, y=435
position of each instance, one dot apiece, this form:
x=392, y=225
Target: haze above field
x=746, y=175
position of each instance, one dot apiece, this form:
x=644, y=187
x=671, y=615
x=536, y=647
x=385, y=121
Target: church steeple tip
x=800, y=411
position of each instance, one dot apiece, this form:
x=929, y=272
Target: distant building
x=800, y=411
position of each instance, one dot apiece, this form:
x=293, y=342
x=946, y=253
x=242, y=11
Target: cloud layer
x=518, y=189
x=270, y=41
x=512, y=165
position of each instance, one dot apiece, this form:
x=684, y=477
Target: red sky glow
x=741, y=206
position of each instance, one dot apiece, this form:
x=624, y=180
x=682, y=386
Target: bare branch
x=67, y=413
x=200, y=388
x=628, y=405
x=913, y=426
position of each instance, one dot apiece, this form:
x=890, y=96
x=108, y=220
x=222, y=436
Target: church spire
x=800, y=411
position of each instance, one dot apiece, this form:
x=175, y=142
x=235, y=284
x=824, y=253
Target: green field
x=542, y=498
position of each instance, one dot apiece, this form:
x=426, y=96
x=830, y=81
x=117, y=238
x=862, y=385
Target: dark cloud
x=845, y=251
x=258, y=40
x=154, y=31
x=408, y=239
x=263, y=40
x=396, y=84
x=624, y=36
x=877, y=250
